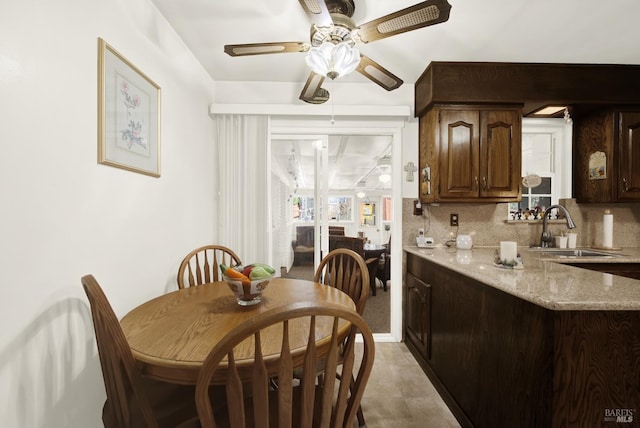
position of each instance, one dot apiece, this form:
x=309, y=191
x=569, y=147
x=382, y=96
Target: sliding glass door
x=299, y=187
x=343, y=179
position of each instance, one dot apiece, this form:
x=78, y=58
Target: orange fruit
x=234, y=274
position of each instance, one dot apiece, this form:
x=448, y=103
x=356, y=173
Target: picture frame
x=128, y=114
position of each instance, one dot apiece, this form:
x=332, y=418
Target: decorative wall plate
x=531, y=180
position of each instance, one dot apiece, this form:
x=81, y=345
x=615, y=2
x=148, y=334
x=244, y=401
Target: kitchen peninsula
x=551, y=345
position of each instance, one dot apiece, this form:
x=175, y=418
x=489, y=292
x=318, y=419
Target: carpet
x=377, y=311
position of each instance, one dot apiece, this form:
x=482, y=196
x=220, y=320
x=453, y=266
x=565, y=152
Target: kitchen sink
x=573, y=253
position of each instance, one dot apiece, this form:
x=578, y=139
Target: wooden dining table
x=373, y=250
x=171, y=335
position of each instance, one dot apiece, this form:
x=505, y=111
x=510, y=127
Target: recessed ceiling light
x=548, y=111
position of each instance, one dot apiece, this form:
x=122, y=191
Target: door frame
x=363, y=126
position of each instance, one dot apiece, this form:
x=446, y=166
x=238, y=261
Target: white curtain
x=242, y=177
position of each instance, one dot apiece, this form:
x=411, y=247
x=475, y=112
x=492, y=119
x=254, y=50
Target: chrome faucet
x=547, y=238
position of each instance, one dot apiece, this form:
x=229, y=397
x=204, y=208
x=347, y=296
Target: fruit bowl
x=246, y=286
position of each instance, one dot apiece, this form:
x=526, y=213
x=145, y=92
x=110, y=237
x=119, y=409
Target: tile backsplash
x=487, y=223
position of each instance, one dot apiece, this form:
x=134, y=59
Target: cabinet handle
x=625, y=185
x=475, y=179
x=484, y=183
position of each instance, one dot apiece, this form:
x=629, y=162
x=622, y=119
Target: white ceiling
x=571, y=31
x=353, y=161
x=564, y=31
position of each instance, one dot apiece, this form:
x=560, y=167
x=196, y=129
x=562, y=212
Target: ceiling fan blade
x=318, y=12
x=378, y=74
x=312, y=92
x=420, y=15
x=265, y=48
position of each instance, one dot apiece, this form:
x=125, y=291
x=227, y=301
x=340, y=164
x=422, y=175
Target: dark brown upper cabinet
x=470, y=145
x=471, y=153
x=606, y=156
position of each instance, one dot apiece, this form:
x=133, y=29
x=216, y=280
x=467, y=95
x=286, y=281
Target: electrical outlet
x=453, y=219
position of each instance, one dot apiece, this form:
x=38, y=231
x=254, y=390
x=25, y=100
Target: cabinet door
x=629, y=156
x=418, y=314
x=594, y=132
x=459, y=151
x=500, y=153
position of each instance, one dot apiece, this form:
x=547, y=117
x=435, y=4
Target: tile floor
x=399, y=394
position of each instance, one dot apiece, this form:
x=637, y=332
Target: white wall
x=63, y=215
x=410, y=151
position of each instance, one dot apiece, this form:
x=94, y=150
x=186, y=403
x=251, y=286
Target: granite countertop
x=547, y=281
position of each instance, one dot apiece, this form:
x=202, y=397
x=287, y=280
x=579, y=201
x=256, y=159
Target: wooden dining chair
x=202, y=265
x=132, y=400
x=347, y=271
x=384, y=266
x=357, y=245
x=331, y=402
x=384, y=270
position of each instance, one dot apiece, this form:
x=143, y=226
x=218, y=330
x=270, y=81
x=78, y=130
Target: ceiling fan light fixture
x=384, y=178
x=384, y=166
x=333, y=60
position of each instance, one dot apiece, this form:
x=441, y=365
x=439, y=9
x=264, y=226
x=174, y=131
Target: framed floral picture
x=128, y=115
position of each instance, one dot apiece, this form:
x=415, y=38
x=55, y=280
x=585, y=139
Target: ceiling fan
x=334, y=36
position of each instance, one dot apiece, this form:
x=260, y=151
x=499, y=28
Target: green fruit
x=265, y=267
x=259, y=272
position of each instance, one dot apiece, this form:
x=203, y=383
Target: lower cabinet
x=417, y=313
x=500, y=361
